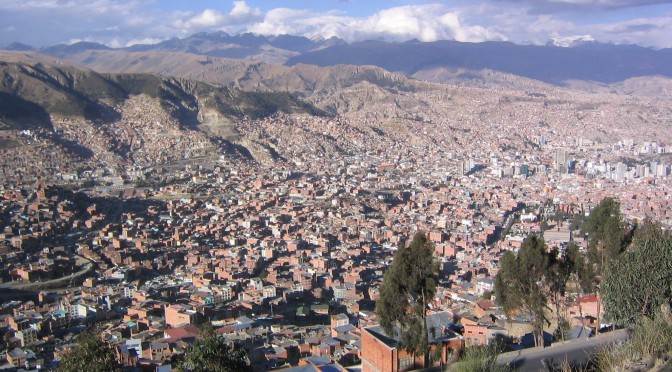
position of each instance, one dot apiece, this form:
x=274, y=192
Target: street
x=576, y=352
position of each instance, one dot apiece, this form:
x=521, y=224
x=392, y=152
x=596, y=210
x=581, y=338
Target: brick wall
x=376, y=356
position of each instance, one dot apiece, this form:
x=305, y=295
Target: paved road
x=576, y=352
x=44, y=284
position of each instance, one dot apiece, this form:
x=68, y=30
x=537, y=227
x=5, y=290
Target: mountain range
x=144, y=106
x=558, y=63
x=275, y=49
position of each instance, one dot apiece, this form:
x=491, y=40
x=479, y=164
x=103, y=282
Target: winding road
x=88, y=266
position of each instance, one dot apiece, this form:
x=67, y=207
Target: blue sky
x=119, y=23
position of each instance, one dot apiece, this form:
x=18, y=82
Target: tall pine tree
x=409, y=285
x=520, y=282
x=91, y=352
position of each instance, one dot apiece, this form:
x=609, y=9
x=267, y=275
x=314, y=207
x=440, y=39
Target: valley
x=269, y=200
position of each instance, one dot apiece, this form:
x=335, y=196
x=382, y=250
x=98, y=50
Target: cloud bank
x=120, y=23
x=556, y=6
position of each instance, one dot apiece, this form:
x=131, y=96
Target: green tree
x=583, y=273
x=90, y=351
x=640, y=280
x=210, y=353
x=564, y=269
x=560, y=268
x=408, y=287
x=520, y=282
x=608, y=233
x=578, y=220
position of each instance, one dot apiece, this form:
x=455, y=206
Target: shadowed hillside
x=37, y=91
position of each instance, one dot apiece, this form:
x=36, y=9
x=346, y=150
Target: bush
x=613, y=358
x=479, y=359
x=90, y=351
x=652, y=337
x=639, y=281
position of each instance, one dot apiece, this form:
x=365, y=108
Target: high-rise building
x=524, y=169
x=620, y=171
x=662, y=170
x=460, y=168
x=561, y=161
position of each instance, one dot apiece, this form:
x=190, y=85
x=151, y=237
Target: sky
x=120, y=23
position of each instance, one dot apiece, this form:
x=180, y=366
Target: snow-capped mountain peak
x=572, y=41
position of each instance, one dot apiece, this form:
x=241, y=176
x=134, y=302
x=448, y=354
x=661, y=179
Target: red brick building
x=380, y=352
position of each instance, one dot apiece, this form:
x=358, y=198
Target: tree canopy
x=519, y=284
x=91, y=351
x=640, y=280
x=606, y=229
x=210, y=353
x=583, y=273
x=409, y=285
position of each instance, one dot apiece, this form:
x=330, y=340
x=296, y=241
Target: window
x=405, y=363
x=449, y=354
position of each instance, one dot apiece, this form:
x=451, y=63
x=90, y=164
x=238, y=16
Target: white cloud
x=212, y=19
x=523, y=26
x=642, y=31
x=146, y=40
x=556, y=6
x=124, y=22
x=208, y=18
x=424, y=22
x=78, y=40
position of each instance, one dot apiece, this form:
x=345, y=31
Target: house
x=484, y=334
x=320, y=309
x=125, y=355
x=484, y=285
x=16, y=357
x=186, y=333
x=159, y=351
x=584, y=307
x=380, y=353
x=485, y=308
x=339, y=320
x=177, y=315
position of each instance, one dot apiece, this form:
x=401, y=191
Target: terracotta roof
x=179, y=333
x=589, y=298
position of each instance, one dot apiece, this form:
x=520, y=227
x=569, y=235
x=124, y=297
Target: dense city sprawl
x=279, y=234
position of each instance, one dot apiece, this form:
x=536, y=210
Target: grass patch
x=650, y=344
x=613, y=358
x=478, y=359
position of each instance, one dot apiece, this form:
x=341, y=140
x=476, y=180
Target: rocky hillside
x=126, y=121
x=243, y=74
x=38, y=91
x=121, y=120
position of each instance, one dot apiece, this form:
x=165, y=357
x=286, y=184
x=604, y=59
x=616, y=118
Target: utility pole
x=597, y=328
